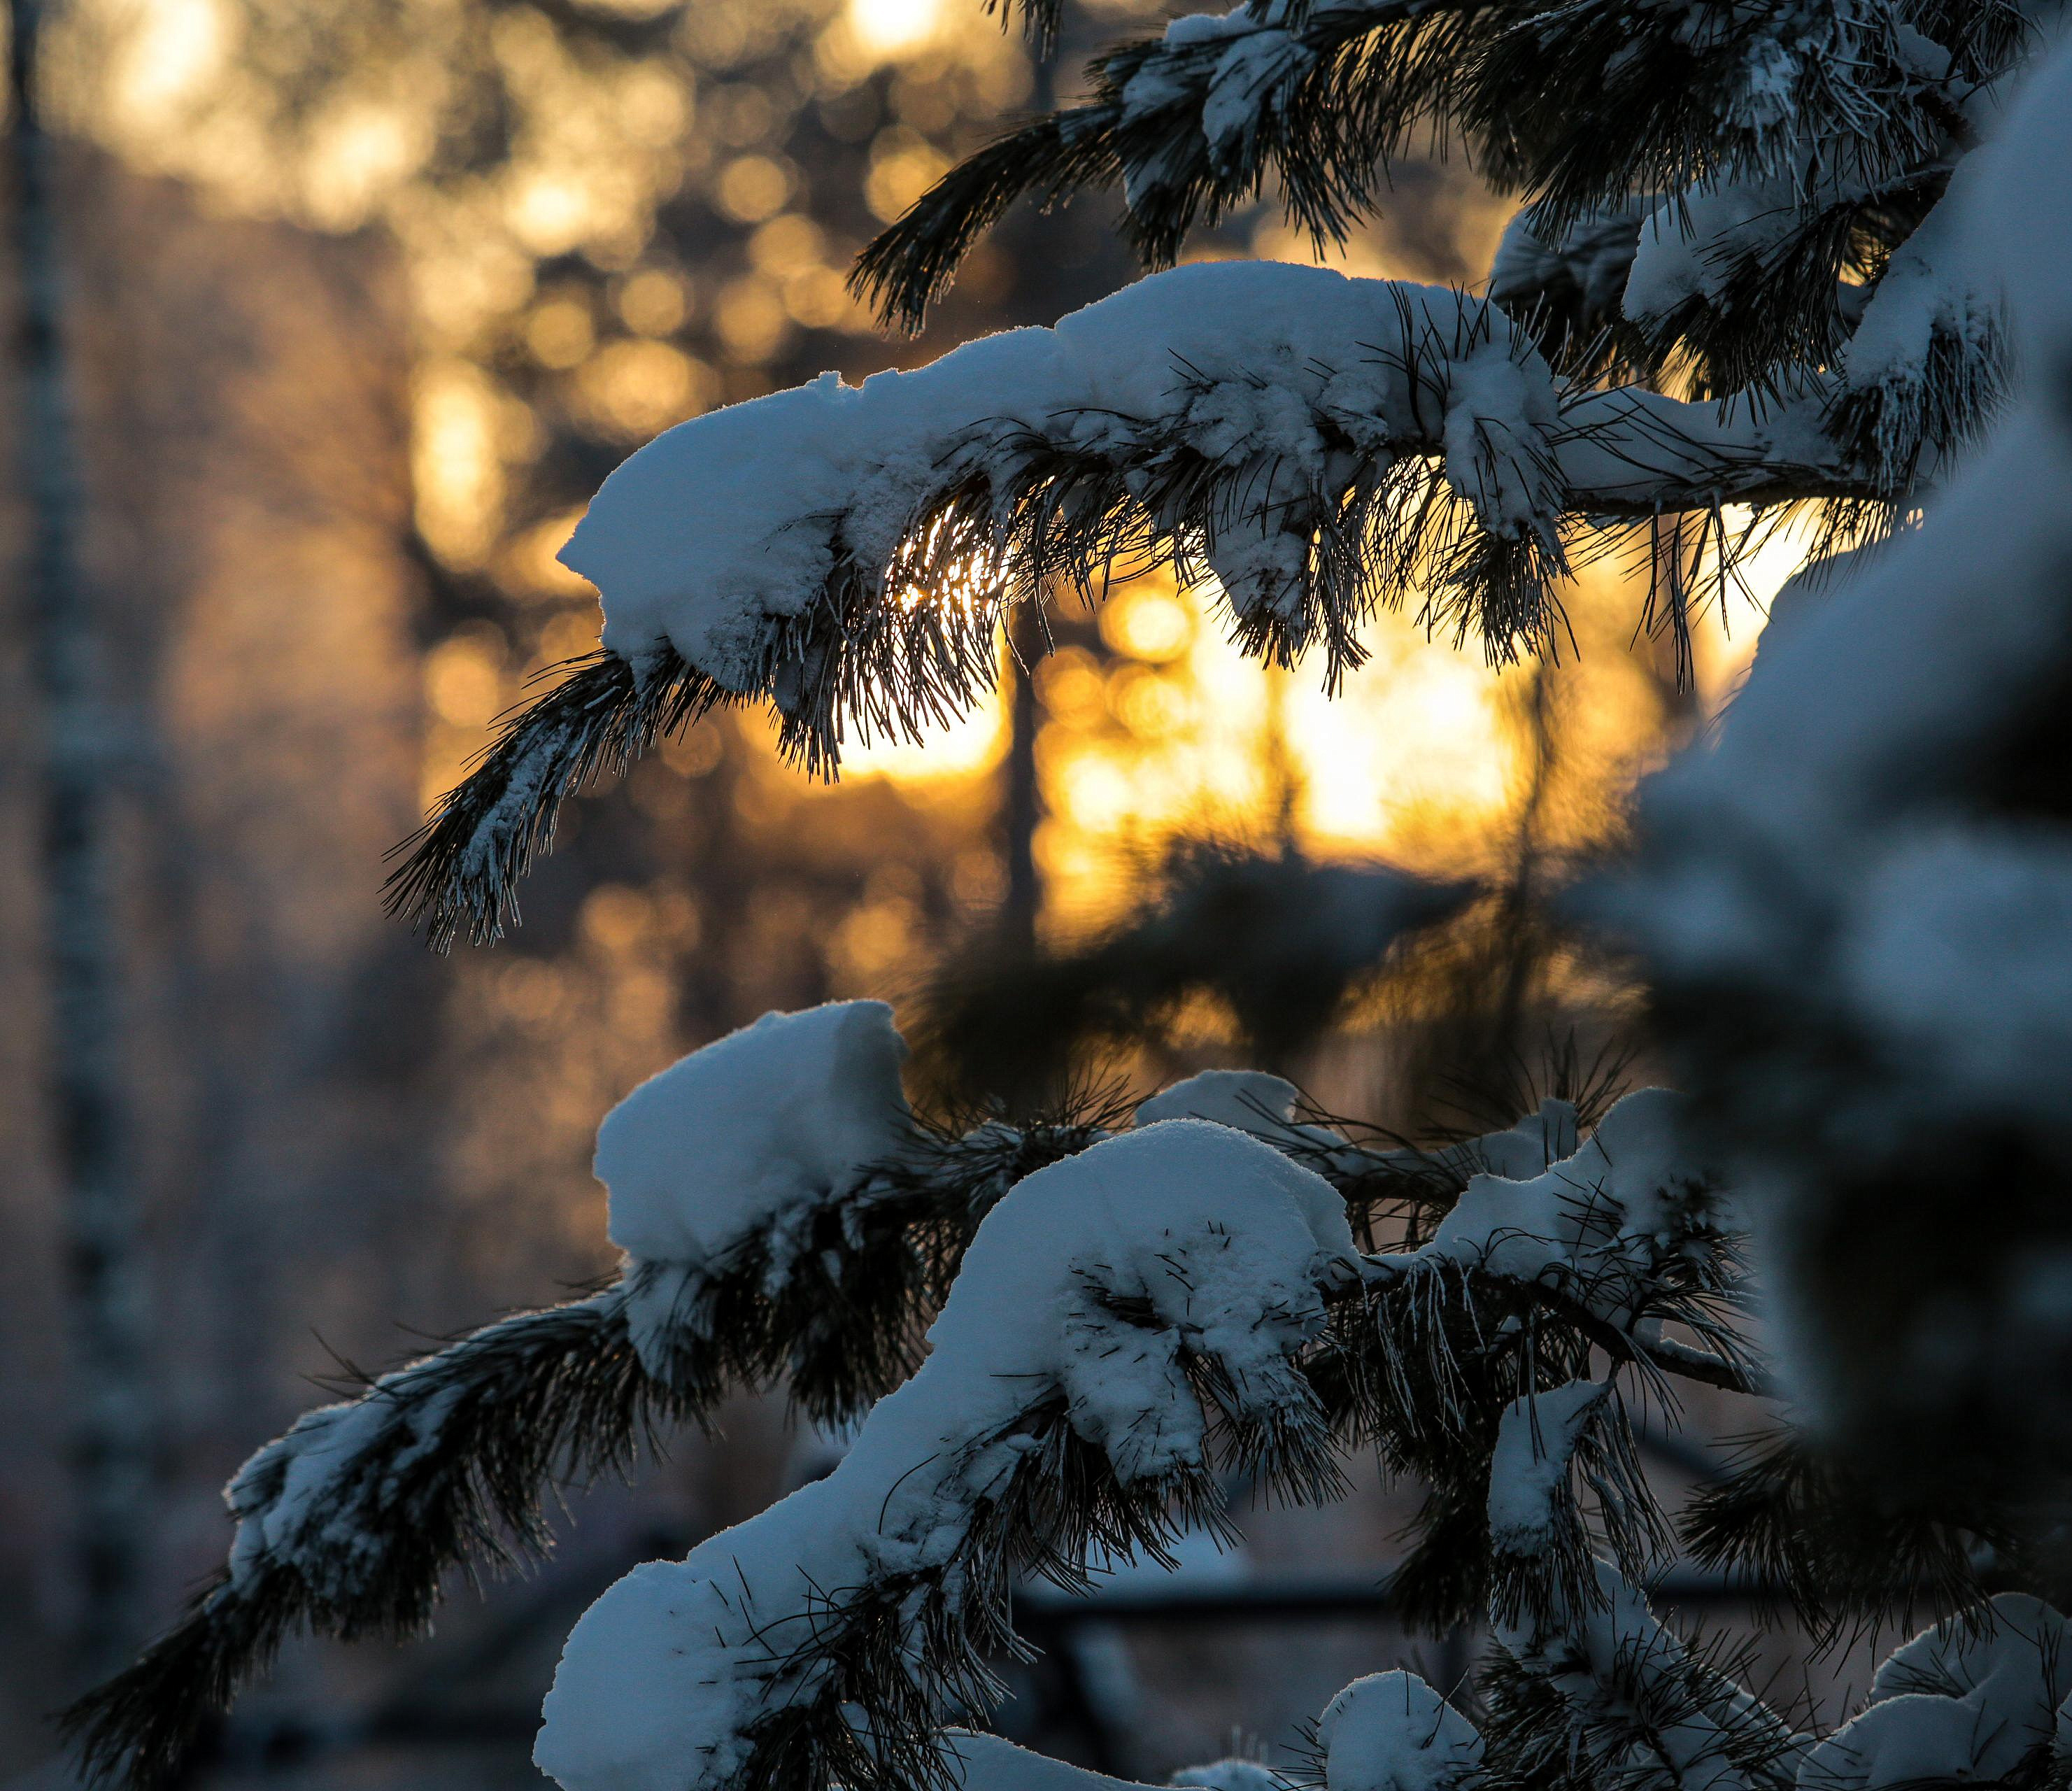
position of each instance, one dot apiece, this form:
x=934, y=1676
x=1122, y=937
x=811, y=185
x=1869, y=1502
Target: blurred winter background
x=366, y=297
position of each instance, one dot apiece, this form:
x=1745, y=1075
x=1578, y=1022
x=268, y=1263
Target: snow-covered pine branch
x=1318, y=446
x=785, y=1219
x=1600, y=1695
x=1855, y=913
x=740, y=1181
x=1122, y=1320
x=1580, y=104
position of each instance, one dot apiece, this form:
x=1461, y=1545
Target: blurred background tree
x=364, y=299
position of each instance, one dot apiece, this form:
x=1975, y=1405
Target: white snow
x=1529, y=1468
x=1249, y=1099
x=720, y=529
x=1690, y=246
x=1597, y=1658
x=1392, y=1731
x=746, y=1138
x=1957, y=1703
x=988, y=1763
x=1230, y=1775
x=1530, y=1148
x=1597, y=1223
x=1226, y=1245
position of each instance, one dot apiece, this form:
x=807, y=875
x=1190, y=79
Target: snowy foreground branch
x=785, y=1218
x=1317, y=445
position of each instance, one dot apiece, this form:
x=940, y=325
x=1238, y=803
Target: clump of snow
x=726, y=527
x=745, y=1138
x=1609, y=1657
x=1233, y=1774
x=1092, y=1283
x=1251, y=76
x=1529, y=1468
x=1966, y=1702
x=1392, y=1731
x=1597, y=1224
x=1692, y=245
x=989, y=1762
x=1500, y=410
x=1249, y=1099
x=1587, y=266
x=1529, y=1148
x=305, y=1498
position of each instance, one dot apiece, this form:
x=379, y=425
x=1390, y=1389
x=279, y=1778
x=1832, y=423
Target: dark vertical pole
x=1021, y=802
x=111, y=1452
x=1027, y=641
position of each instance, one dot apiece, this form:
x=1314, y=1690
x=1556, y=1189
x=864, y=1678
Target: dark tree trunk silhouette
x=80, y=743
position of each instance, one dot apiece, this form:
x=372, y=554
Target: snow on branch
x=786, y=1217
x=346, y=1523
x=740, y=1179
x=1122, y=1320
x=1581, y=105
x=1603, y=99
x=1979, y=1699
x=1392, y=1731
x=1601, y=1695
x=1540, y=1549
x=1318, y=446
x=1855, y=909
x=1618, y=1237
x=1189, y=124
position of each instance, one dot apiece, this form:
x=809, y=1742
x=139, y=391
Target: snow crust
x=1598, y=1223
x=746, y=1137
x=1529, y=1468
x=1249, y=1099
x=1221, y=1240
x=723, y=527
x=1392, y=1731
x=1230, y=1775
x=1961, y=1704
x=1690, y=246
x=1603, y=1658
x=989, y=1762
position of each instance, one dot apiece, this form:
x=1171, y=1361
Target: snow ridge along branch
x=1318, y=446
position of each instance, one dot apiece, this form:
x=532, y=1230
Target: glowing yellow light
x=904, y=166
x=963, y=748
x=458, y=473
x=638, y=388
x=751, y=318
x=463, y=682
x=751, y=188
x=653, y=302
x=560, y=332
x=888, y=28
x=1147, y=622
x=785, y=244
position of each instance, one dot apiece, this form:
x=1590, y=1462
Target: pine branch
x=1604, y=1697
x=463, y=867
x=350, y=1522
x=1192, y=124
x=1842, y=1550
x=1095, y=1365
x=1320, y=447
x=440, y=1464
x=347, y=1524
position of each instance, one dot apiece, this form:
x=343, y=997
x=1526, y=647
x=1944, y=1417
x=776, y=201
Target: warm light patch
x=458, y=471
x=885, y=29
